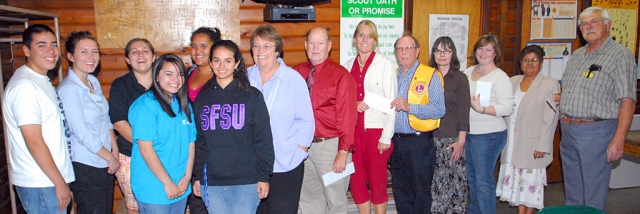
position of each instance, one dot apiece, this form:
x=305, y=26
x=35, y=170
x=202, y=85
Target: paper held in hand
x=379, y=103
x=484, y=89
x=331, y=177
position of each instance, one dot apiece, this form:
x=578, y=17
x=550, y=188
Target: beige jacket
x=536, y=124
x=381, y=80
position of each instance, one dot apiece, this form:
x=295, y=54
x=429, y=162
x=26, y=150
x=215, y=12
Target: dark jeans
x=284, y=192
x=412, y=167
x=93, y=189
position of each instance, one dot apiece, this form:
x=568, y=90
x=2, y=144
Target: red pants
x=371, y=167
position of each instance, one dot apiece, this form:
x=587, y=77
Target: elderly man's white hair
x=605, y=14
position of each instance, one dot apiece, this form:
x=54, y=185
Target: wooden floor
x=119, y=207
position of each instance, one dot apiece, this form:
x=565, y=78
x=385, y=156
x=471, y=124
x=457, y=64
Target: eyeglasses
x=534, y=60
x=594, y=23
x=445, y=52
x=402, y=49
x=265, y=47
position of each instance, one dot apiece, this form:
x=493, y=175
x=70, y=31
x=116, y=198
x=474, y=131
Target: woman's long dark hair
x=182, y=95
x=239, y=73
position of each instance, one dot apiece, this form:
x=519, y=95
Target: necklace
x=361, y=64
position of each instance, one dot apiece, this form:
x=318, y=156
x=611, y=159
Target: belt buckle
x=566, y=120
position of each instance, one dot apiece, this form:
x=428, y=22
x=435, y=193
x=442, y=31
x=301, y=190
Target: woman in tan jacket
x=530, y=138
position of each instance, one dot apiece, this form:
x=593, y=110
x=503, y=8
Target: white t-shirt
x=29, y=98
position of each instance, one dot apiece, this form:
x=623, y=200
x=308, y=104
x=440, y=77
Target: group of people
x=227, y=138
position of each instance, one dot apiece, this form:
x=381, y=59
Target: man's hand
x=64, y=196
x=614, y=150
x=458, y=150
x=400, y=104
x=263, y=190
x=556, y=98
x=362, y=106
x=383, y=147
x=341, y=161
x=196, y=188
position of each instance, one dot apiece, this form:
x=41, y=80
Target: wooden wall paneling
x=79, y=16
x=422, y=9
x=502, y=21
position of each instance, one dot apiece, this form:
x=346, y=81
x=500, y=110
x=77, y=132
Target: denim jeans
x=237, y=199
x=39, y=200
x=482, y=151
x=175, y=208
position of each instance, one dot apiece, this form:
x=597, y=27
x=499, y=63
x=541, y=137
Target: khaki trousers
x=314, y=196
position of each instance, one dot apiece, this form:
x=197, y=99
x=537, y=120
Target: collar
x=232, y=85
x=319, y=67
x=35, y=74
x=411, y=70
x=608, y=42
x=76, y=79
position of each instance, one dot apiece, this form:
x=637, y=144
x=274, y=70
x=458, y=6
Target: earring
x=235, y=70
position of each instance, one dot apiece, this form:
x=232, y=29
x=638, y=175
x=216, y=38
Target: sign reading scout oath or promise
x=166, y=23
x=388, y=15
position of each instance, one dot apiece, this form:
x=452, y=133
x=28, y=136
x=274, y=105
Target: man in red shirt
x=333, y=98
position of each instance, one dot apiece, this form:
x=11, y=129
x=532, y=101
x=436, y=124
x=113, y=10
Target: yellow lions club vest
x=418, y=95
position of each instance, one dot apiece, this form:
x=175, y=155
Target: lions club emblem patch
x=419, y=88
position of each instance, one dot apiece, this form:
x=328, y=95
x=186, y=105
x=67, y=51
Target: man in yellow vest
x=420, y=105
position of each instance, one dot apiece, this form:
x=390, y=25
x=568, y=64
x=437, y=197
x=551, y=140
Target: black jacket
x=234, y=135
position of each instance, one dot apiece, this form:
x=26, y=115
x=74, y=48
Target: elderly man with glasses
x=419, y=106
x=597, y=105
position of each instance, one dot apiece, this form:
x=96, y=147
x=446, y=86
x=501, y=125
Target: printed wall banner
x=454, y=26
x=388, y=15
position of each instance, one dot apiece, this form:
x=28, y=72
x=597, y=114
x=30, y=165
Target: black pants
x=412, y=167
x=196, y=206
x=284, y=192
x=92, y=190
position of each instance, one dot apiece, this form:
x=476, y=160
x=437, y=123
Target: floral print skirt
x=521, y=186
x=449, y=186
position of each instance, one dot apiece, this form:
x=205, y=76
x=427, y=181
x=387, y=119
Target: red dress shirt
x=333, y=99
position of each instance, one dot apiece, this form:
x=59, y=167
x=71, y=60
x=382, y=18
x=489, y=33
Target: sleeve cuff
x=385, y=140
x=264, y=177
x=463, y=127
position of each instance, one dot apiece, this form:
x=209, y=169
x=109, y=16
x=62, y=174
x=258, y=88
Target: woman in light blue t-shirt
x=163, y=135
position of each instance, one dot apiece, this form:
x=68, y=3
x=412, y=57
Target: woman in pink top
x=201, y=41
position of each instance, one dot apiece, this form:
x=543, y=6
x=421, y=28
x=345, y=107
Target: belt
x=573, y=120
x=320, y=139
x=408, y=135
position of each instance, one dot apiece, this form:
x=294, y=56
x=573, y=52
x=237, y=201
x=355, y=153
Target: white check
x=379, y=103
x=331, y=177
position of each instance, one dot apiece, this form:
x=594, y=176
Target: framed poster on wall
x=553, y=19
